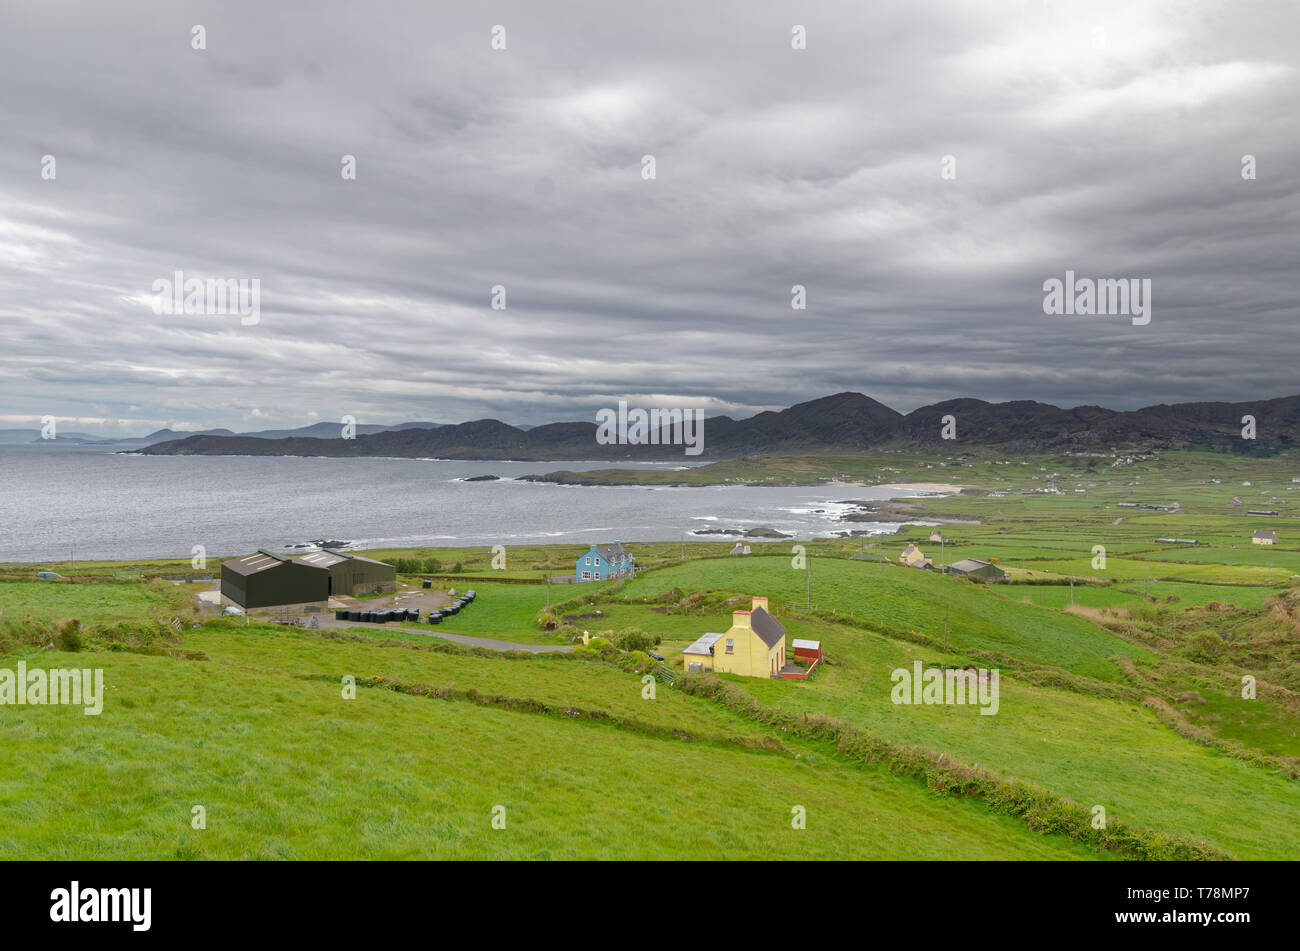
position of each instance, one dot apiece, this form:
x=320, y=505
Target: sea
x=86, y=503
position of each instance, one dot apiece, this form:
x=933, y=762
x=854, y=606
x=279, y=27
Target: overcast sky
x=1106, y=138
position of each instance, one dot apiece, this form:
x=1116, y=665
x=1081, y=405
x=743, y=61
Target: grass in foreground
x=285, y=768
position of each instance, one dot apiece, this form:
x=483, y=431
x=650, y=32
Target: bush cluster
x=417, y=566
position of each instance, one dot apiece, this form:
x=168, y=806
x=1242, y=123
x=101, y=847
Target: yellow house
x=914, y=557
x=1264, y=538
x=754, y=645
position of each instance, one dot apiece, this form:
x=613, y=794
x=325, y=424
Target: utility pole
x=1071, y=592
x=809, y=595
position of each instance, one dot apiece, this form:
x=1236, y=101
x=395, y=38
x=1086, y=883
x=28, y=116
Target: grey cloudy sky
x=1103, y=137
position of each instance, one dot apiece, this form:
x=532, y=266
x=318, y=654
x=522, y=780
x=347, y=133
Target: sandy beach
x=943, y=487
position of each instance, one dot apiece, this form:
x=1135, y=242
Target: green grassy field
x=91, y=603
x=1093, y=749
x=1186, y=594
x=905, y=599
x=503, y=611
x=1129, y=699
x=287, y=769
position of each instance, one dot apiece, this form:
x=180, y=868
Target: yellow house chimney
x=740, y=619
x=759, y=602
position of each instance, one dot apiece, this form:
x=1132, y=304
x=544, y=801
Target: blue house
x=603, y=562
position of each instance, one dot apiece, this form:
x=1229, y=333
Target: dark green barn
x=974, y=568
x=265, y=580
x=353, y=574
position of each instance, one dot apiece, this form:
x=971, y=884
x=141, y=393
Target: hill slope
x=844, y=422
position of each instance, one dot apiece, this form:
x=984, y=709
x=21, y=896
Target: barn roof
x=329, y=557
x=969, y=564
x=262, y=560
x=252, y=564
x=351, y=557
x=322, y=559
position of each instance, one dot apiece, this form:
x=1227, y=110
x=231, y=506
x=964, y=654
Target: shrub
x=1205, y=648
x=633, y=639
x=635, y=662
x=68, y=638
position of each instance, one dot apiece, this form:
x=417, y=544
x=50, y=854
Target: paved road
x=330, y=622
x=494, y=645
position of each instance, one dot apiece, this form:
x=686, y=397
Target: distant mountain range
x=845, y=422
x=18, y=437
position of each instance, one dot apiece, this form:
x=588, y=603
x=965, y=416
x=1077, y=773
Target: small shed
x=811, y=651
x=807, y=655
x=974, y=568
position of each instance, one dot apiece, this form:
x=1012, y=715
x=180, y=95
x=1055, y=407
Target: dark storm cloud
x=1087, y=136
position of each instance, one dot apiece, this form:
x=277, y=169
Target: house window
x=588, y=559
x=731, y=646
x=597, y=561
x=586, y=576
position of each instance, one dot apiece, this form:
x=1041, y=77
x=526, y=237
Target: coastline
x=941, y=488
x=233, y=505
